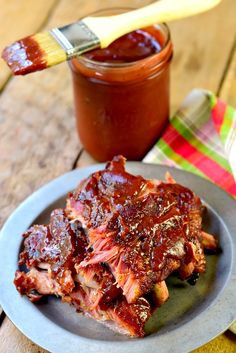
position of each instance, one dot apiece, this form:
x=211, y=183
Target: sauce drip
x=133, y=46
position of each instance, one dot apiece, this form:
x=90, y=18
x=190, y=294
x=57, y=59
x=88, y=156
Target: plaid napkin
x=201, y=138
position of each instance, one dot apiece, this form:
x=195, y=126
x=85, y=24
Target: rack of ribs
x=110, y=250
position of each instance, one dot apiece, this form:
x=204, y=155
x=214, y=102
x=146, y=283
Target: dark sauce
x=133, y=46
x=122, y=94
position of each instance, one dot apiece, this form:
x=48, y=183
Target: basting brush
x=46, y=49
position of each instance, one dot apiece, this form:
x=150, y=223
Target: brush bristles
x=53, y=52
x=33, y=53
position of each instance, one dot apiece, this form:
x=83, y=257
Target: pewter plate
x=192, y=316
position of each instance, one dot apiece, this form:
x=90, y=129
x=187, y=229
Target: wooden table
x=38, y=137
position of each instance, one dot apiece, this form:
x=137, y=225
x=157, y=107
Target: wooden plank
x=228, y=88
x=65, y=13
x=38, y=138
x=10, y=338
x=18, y=19
x=85, y=160
x=202, y=46
x=225, y=343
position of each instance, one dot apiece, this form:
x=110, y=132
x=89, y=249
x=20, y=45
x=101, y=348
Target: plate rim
x=58, y=187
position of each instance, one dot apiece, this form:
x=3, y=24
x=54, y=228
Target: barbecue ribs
x=110, y=250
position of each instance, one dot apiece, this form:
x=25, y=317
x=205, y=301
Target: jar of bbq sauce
x=121, y=94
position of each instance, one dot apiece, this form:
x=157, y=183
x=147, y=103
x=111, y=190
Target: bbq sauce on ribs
x=118, y=239
x=143, y=229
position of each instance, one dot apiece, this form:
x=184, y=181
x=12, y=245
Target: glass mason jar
x=122, y=108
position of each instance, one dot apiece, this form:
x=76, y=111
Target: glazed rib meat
x=143, y=229
x=111, y=249
x=52, y=254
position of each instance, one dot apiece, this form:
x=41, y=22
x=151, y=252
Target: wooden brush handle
x=112, y=27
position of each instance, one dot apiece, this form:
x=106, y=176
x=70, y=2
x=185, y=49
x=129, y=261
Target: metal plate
x=192, y=316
